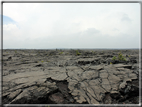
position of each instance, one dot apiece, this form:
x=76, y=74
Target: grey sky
x=71, y=25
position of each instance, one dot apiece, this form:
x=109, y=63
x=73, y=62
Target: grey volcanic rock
x=57, y=98
x=50, y=77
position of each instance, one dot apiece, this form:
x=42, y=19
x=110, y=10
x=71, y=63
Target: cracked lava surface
x=52, y=77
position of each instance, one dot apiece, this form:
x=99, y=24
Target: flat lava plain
x=70, y=76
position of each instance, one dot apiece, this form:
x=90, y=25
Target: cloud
x=91, y=32
x=10, y=27
x=71, y=25
x=125, y=18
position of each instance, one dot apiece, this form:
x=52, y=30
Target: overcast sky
x=71, y=25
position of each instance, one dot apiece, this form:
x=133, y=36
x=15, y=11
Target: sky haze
x=71, y=25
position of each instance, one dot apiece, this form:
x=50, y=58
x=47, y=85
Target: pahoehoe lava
x=70, y=77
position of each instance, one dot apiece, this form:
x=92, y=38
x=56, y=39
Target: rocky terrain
x=70, y=77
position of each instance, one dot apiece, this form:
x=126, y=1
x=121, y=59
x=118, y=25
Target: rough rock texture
x=62, y=77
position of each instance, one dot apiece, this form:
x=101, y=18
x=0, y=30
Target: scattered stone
x=57, y=98
x=107, y=99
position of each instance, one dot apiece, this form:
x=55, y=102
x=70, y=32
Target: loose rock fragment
x=57, y=98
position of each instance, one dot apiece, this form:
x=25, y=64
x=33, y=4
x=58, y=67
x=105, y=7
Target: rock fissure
x=108, y=79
